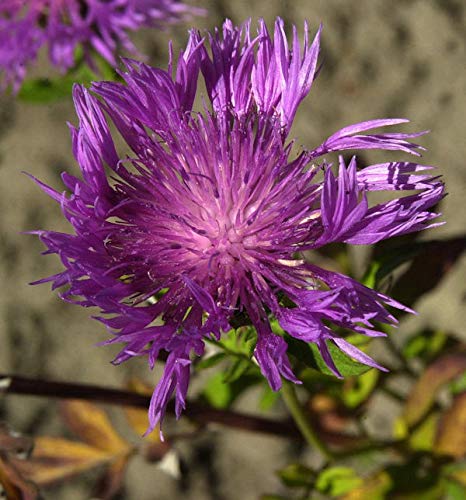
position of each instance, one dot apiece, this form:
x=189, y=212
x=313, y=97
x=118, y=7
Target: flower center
x=223, y=241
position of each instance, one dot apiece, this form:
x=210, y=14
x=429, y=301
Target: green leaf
x=236, y=370
x=426, y=344
x=422, y=439
x=240, y=342
x=415, y=478
x=268, y=398
x=296, y=475
x=45, y=90
x=357, y=389
x=217, y=392
x=336, y=481
x=370, y=277
x=310, y=356
x=456, y=471
x=438, y=257
x=459, y=385
x=211, y=361
x=221, y=394
x=454, y=491
x=374, y=487
x=381, y=266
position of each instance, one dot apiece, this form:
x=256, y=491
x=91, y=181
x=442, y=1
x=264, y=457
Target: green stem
x=302, y=421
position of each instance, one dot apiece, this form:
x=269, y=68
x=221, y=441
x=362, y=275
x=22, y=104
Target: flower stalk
x=302, y=420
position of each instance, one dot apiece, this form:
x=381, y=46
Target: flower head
x=209, y=214
x=63, y=25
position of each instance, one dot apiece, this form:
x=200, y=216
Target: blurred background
x=404, y=58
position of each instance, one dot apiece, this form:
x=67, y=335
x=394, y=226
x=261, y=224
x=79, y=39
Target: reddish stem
x=196, y=411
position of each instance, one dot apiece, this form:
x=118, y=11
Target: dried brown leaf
x=154, y=450
x=93, y=426
x=55, y=459
x=111, y=481
x=13, y=442
x=422, y=395
x=137, y=385
x=137, y=418
x=139, y=422
x=15, y=486
x=451, y=433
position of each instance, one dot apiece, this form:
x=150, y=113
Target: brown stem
x=198, y=412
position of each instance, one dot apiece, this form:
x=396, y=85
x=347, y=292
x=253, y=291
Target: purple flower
x=63, y=25
x=209, y=213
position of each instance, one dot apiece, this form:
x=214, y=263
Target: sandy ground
x=381, y=59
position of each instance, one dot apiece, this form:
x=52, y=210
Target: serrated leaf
x=451, y=436
x=357, y=389
x=55, y=459
x=310, y=356
x=345, y=365
x=296, y=475
x=336, y=481
x=422, y=395
x=92, y=425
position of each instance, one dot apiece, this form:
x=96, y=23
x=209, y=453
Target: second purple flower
x=95, y=26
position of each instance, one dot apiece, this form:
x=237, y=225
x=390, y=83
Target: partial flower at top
x=209, y=214
x=63, y=25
